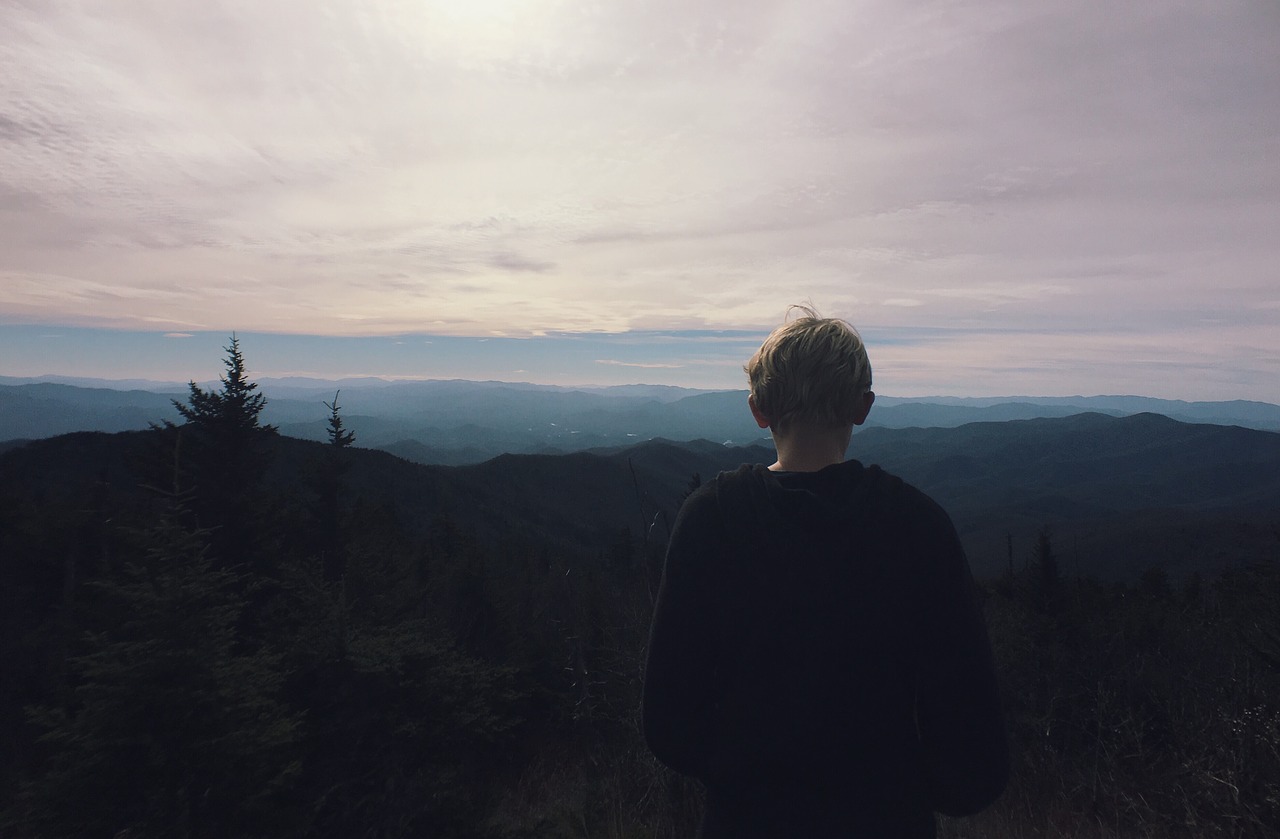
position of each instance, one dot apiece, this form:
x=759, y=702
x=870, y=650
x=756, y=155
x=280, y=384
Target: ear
x=761, y=419
x=864, y=408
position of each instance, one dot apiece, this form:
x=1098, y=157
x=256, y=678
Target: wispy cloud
x=538, y=167
x=648, y=365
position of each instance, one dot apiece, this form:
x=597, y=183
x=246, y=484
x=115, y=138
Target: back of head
x=811, y=371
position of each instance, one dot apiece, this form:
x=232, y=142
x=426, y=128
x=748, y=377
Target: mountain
x=952, y=411
x=455, y=422
x=1119, y=494
x=46, y=409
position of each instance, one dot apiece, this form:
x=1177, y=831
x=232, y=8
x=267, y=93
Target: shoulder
x=700, y=511
x=888, y=485
x=701, y=503
x=901, y=501
x=729, y=495
x=746, y=474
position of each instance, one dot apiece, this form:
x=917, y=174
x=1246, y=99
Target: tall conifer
x=234, y=410
x=228, y=458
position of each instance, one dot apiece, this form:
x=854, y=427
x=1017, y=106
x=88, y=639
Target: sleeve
x=679, y=684
x=958, y=712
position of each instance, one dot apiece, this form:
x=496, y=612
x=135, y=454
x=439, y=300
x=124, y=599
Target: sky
x=1005, y=196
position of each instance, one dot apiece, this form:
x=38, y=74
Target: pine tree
x=176, y=727
x=338, y=437
x=329, y=486
x=226, y=458
x=1045, y=579
x=233, y=411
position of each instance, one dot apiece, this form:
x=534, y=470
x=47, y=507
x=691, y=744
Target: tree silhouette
x=227, y=458
x=338, y=437
x=232, y=411
x=328, y=484
x=1045, y=582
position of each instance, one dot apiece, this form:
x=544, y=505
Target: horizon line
x=57, y=378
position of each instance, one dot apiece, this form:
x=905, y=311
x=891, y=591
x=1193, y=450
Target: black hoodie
x=819, y=661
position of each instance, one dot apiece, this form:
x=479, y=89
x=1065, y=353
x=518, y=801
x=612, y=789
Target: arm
x=679, y=693
x=958, y=702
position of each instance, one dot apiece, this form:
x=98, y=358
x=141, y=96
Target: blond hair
x=810, y=371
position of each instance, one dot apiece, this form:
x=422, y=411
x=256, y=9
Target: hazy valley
x=457, y=422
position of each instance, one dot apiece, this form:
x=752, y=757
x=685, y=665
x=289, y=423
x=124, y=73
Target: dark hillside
x=580, y=500
x=1122, y=493
x=1116, y=462
x=345, y=643
x=1129, y=492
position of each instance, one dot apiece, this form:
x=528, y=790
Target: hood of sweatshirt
x=805, y=536
x=840, y=500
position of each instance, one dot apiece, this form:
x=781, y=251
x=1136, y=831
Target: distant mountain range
x=457, y=422
x=1119, y=494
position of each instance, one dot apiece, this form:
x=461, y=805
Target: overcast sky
x=1034, y=196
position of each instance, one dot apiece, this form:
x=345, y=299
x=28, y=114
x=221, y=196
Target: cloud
x=547, y=167
x=649, y=365
x=178, y=335
x=514, y=262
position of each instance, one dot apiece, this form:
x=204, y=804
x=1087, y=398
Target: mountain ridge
x=458, y=421
x=1120, y=494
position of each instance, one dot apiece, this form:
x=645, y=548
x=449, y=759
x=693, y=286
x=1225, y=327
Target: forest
x=215, y=631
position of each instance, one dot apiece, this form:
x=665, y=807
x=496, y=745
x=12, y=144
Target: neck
x=809, y=450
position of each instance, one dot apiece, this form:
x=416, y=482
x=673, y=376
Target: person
x=817, y=657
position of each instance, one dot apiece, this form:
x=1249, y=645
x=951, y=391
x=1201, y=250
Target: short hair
x=809, y=371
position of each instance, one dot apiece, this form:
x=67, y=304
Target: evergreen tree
x=328, y=485
x=404, y=734
x=1044, y=581
x=225, y=459
x=175, y=727
x=338, y=438
x=231, y=412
